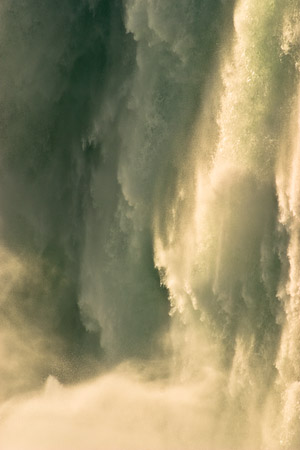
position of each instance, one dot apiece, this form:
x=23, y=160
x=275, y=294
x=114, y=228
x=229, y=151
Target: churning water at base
x=150, y=225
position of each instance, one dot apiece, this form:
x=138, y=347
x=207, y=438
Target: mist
x=149, y=225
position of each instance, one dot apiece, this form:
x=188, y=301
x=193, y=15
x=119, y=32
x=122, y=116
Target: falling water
x=150, y=225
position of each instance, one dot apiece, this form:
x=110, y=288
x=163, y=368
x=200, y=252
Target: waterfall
x=150, y=225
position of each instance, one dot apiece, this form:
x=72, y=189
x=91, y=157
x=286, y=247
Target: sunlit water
x=150, y=225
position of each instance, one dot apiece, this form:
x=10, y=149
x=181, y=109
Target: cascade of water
x=150, y=225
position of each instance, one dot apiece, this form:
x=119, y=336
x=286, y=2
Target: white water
x=160, y=137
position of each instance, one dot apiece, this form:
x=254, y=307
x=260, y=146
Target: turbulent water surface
x=150, y=225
